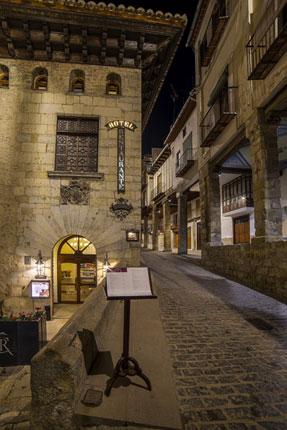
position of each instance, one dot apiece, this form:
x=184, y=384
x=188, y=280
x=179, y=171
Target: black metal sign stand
x=126, y=366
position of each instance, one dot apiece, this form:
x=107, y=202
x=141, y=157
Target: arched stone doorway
x=76, y=269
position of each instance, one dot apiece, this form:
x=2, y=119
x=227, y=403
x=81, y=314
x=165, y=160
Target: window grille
x=77, y=145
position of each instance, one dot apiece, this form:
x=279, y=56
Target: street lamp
x=107, y=264
x=40, y=267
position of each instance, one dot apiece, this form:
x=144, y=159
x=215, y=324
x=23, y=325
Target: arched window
x=77, y=81
x=40, y=79
x=113, y=86
x=4, y=76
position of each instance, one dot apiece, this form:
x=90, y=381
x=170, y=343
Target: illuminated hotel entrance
x=77, y=269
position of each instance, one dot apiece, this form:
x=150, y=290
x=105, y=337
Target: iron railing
x=185, y=162
x=269, y=41
x=218, y=116
x=237, y=194
x=158, y=190
x=217, y=23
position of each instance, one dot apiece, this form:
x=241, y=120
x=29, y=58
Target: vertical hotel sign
x=121, y=126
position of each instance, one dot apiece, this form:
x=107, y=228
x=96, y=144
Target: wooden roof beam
x=121, y=44
x=138, y=58
x=7, y=34
x=67, y=52
x=48, y=46
x=85, y=45
x=103, y=52
x=29, y=45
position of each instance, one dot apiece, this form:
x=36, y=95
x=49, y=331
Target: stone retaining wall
x=58, y=370
x=261, y=266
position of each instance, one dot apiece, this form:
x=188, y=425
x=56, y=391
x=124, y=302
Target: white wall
x=227, y=221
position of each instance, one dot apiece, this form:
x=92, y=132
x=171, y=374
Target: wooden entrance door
x=76, y=275
x=241, y=229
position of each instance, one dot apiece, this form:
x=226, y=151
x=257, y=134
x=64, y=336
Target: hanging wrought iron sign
x=121, y=126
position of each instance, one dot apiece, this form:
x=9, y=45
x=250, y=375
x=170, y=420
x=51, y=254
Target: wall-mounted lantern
x=132, y=235
x=40, y=267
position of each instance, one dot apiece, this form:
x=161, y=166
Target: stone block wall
x=260, y=265
x=60, y=369
x=31, y=214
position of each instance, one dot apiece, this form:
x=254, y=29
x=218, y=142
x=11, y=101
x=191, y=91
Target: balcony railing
x=237, y=194
x=158, y=192
x=218, y=116
x=185, y=162
x=215, y=28
x=269, y=42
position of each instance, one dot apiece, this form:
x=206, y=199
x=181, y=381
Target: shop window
x=113, y=86
x=77, y=81
x=4, y=76
x=40, y=79
x=77, y=145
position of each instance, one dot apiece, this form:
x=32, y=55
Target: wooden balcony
x=268, y=43
x=218, y=116
x=158, y=192
x=214, y=31
x=185, y=162
x=237, y=194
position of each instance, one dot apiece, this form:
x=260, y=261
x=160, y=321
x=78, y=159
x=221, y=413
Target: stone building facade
x=74, y=103
x=241, y=62
x=171, y=201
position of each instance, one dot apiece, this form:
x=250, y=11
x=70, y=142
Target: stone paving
x=228, y=347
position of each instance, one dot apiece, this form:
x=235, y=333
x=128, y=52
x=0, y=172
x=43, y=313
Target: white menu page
x=133, y=283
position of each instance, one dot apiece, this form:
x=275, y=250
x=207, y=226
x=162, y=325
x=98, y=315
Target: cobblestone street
x=228, y=347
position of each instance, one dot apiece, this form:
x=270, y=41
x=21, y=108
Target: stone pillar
x=154, y=227
x=182, y=223
x=145, y=228
x=210, y=207
x=166, y=223
x=266, y=178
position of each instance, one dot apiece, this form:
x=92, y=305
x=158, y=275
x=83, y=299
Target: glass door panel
x=68, y=279
x=87, y=281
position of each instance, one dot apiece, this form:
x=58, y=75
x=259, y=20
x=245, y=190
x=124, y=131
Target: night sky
x=180, y=76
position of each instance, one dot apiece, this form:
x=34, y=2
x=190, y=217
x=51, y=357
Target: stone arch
x=77, y=81
x=74, y=269
x=40, y=79
x=114, y=84
x=4, y=76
